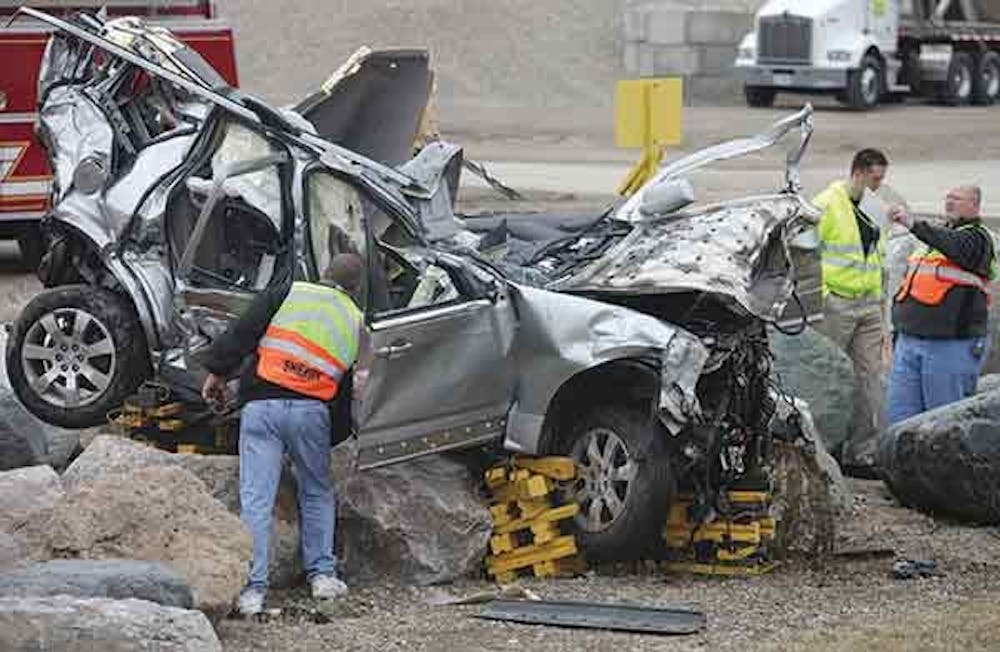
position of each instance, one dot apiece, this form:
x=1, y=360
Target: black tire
x=866, y=84
x=986, y=90
x=102, y=380
x=760, y=97
x=31, y=244
x=637, y=529
x=959, y=87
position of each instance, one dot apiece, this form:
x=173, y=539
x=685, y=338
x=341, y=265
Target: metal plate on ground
x=590, y=615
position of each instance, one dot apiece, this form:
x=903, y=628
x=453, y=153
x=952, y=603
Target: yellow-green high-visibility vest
x=847, y=271
x=311, y=342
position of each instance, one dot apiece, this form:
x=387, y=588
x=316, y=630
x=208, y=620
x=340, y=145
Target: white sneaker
x=251, y=601
x=327, y=587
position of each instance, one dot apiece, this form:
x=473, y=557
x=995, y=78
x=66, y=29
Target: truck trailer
x=865, y=52
x=25, y=173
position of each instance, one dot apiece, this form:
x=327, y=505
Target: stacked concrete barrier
x=694, y=40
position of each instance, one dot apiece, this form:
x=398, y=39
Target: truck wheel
x=626, y=482
x=987, y=86
x=959, y=87
x=74, y=354
x=760, y=96
x=864, y=85
x=32, y=246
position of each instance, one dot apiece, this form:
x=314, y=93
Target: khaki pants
x=855, y=325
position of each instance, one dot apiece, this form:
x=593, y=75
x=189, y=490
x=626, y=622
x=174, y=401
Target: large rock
x=27, y=498
x=813, y=368
x=92, y=578
x=157, y=514
x=25, y=440
x=947, y=461
x=109, y=455
x=810, y=493
x=69, y=624
x=419, y=521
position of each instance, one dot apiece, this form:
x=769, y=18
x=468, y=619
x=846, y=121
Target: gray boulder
x=810, y=493
x=92, y=578
x=27, y=441
x=811, y=367
x=419, y=521
x=162, y=514
x=947, y=461
x=70, y=624
x=27, y=498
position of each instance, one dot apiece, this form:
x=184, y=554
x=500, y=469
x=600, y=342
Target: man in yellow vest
x=300, y=340
x=852, y=249
x=941, y=309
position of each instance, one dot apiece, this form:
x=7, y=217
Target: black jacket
x=964, y=311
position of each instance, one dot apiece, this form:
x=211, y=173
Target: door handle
x=394, y=350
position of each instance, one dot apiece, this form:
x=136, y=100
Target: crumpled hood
x=737, y=249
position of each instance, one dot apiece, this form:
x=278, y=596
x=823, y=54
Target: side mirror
x=666, y=197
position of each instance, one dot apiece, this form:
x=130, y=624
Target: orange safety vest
x=311, y=342
x=929, y=276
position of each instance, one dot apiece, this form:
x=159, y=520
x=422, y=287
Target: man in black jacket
x=941, y=310
x=296, y=344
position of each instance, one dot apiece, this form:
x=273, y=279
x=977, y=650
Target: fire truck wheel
x=74, y=353
x=625, y=482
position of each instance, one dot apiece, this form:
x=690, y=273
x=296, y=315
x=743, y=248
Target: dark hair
x=345, y=270
x=868, y=158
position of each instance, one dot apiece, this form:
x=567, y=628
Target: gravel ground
x=812, y=604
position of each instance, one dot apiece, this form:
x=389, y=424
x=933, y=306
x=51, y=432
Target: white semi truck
x=868, y=51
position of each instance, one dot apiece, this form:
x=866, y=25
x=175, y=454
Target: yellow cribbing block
x=564, y=546
x=556, y=468
x=533, y=486
x=501, y=543
x=544, y=532
x=187, y=448
x=500, y=514
x=735, y=555
x=723, y=531
x=166, y=411
x=496, y=477
x=551, y=515
x=747, y=497
x=531, y=509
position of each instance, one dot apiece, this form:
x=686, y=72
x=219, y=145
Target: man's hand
x=214, y=389
x=899, y=215
x=360, y=384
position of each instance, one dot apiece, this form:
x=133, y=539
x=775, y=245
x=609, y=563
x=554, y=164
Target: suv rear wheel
x=74, y=354
x=625, y=484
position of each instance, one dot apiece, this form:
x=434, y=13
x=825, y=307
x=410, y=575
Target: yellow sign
x=879, y=7
x=647, y=116
x=648, y=111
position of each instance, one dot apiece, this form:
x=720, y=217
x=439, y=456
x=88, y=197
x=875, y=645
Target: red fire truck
x=24, y=170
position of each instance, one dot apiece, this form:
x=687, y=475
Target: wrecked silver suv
x=634, y=340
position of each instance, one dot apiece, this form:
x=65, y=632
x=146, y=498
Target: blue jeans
x=268, y=430
x=929, y=373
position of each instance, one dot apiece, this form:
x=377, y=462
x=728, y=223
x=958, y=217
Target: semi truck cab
x=865, y=51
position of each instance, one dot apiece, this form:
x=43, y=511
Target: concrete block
x=717, y=27
x=634, y=23
x=647, y=60
x=630, y=59
x=716, y=59
x=666, y=27
x=675, y=60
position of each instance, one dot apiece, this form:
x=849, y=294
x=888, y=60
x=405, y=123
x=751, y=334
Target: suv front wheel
x=74, y=354
x=625, y=482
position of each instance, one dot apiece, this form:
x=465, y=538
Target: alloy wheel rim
x=605, y=478
x=68, y=357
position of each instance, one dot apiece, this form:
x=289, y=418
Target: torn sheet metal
x=593, y=615
x=561, y=335
x=736, y=249
x=803, y=120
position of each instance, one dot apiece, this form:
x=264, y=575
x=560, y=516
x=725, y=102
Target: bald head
x=345, y=270
x=963, y=203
